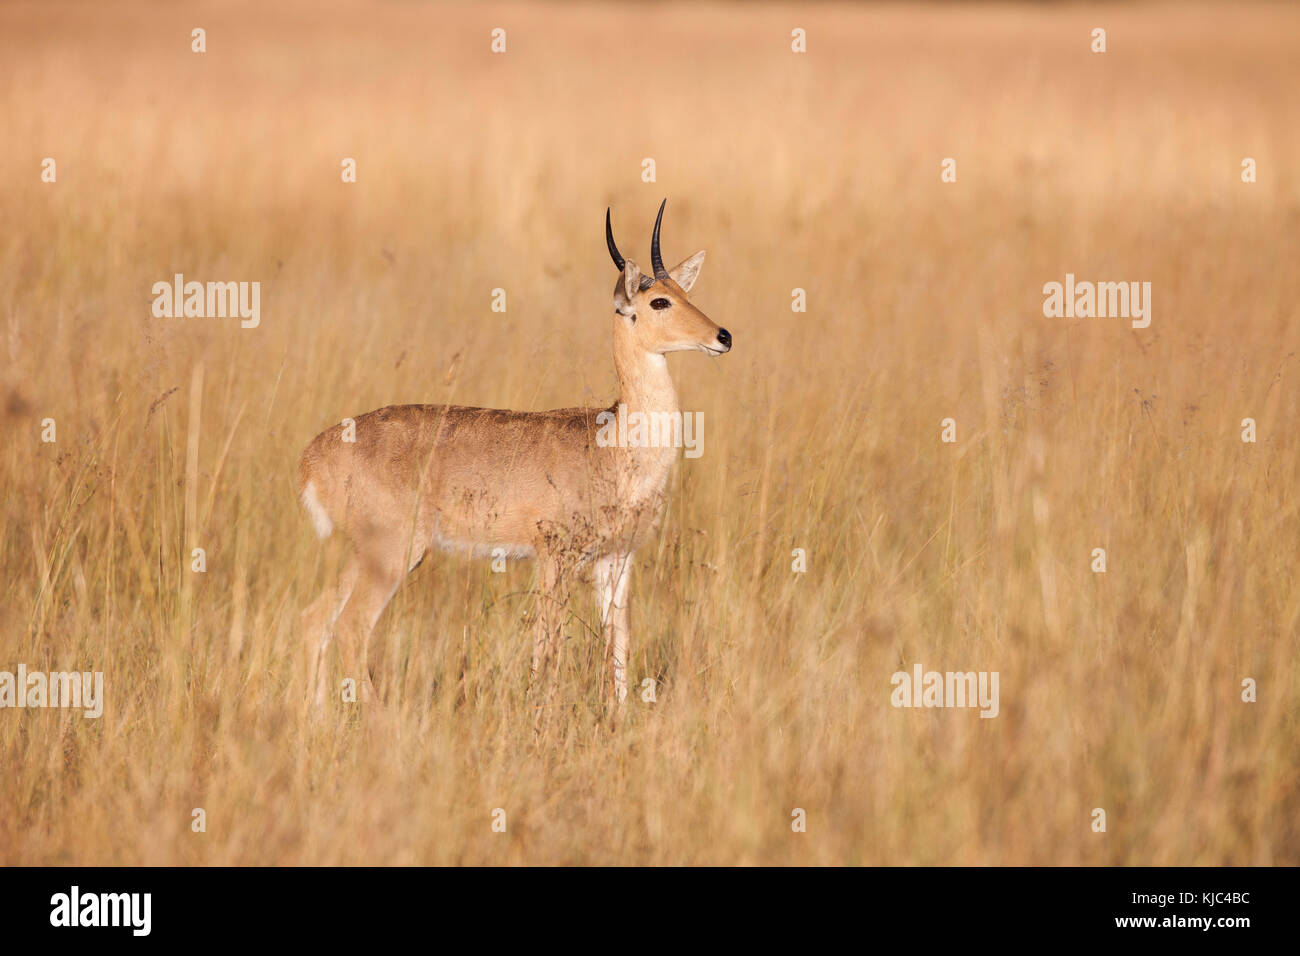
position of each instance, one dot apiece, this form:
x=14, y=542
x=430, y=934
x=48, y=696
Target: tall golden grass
x=820, y=171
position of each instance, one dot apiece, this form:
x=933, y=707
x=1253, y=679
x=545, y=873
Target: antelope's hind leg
x=376, y=583
x=317, y=624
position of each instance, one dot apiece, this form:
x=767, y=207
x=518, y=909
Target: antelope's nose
x=724, y=337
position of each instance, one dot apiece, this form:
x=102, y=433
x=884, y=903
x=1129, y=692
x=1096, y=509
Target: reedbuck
x=547, y=485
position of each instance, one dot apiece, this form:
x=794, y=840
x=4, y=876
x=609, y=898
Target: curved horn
x=609, y=241
x=656, y=257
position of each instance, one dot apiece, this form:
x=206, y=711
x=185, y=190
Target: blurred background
x=816, y=170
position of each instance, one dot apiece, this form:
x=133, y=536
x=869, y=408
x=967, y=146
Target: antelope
x=532, y=484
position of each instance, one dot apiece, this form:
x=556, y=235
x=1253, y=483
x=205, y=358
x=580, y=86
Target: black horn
x=609, y=241
x=656, y=257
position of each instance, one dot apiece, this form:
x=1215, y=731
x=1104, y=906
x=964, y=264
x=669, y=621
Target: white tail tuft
x=320, y=518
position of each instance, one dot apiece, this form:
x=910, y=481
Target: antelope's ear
x=631, y=280
x=687, y=271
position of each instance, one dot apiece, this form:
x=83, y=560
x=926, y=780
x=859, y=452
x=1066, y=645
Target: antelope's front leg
x=603, y=579
x=620, y=618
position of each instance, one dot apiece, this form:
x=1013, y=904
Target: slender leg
x=603, y=574
x=621, y=618
x=317, y=627
x=375, y=587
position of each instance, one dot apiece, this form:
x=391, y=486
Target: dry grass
x=820, y=171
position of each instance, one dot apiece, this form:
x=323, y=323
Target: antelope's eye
x=659, y=304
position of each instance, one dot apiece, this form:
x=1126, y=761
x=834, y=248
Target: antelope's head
x=655, y=313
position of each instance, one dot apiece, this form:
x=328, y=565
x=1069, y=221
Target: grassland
x=817, y=171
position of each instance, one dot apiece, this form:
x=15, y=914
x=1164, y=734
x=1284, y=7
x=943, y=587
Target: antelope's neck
x=644, y=382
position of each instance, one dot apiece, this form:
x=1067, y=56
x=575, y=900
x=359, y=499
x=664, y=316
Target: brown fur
x=534, y=483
